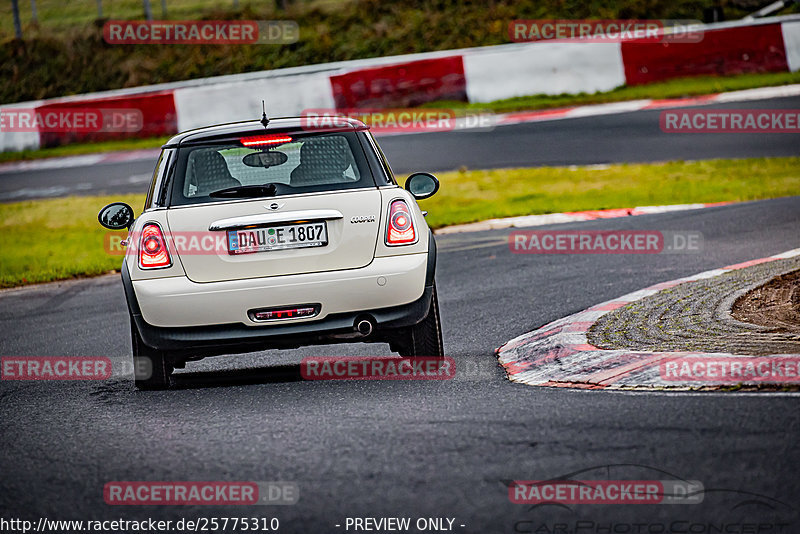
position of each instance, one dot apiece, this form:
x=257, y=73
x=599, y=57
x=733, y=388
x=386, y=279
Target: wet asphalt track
x=401, y=448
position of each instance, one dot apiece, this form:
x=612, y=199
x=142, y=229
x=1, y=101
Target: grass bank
x=56, y=239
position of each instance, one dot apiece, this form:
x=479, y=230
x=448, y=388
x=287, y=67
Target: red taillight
x=400, y=226
x=265, y=140
x=153, y=248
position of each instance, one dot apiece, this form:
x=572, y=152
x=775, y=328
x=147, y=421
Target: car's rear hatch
x=349, y=245
x=292, y=202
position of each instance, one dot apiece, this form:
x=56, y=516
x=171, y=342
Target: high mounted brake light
x=400, y=226
x=153, y=248
x=265, y=140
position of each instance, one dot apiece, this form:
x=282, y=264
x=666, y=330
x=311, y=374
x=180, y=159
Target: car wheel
x=425, y=337
x=151, y=367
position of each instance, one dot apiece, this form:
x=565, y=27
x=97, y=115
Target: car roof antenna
x=264, y=118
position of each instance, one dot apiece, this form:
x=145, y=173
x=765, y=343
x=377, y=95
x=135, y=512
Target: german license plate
x=300, y=235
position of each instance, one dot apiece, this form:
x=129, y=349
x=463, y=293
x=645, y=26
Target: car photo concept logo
x=583, y=502
x=606, y=492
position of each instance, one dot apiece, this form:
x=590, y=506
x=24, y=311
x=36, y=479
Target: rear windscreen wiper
x=246, y=191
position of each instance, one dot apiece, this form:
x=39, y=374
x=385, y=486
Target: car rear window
x=303, y=164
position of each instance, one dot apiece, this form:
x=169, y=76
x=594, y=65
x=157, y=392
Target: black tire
x=152, y=368
x=425, y=337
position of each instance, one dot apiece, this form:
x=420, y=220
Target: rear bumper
x=235, y=338
x=179, y=302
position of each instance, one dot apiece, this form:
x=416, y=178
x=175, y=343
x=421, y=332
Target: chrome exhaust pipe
x=364, y=327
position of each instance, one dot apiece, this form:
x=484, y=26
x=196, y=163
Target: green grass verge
x=678, y=88
x=56, y=239
x=471, y=196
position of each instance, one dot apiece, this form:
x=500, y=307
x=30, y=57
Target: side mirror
x=422, y=185
x=116, y=216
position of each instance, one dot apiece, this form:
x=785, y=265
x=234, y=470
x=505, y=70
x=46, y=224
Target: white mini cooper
x=276, y=234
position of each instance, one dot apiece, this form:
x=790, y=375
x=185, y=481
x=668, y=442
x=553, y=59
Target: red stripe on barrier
x=157, y=114
x=721, y=52
x=402, y=85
